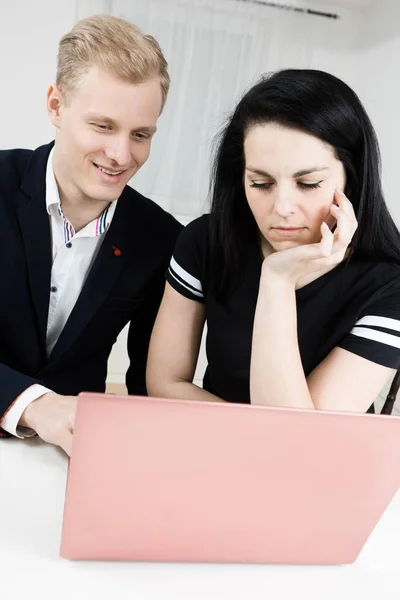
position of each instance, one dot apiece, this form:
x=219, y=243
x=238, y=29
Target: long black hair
x=324, y=106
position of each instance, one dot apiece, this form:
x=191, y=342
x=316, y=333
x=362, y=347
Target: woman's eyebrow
x=297, y=174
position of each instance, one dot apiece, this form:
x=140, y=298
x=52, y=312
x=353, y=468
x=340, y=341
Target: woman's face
x=290, y=178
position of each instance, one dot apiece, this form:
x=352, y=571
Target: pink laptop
x=170, y=480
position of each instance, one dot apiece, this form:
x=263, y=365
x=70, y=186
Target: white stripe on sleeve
x=377, y=336
x=196, y=283
x=385, y=322
x=185, y=286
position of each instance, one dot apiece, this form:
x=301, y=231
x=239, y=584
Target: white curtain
x=216, y=49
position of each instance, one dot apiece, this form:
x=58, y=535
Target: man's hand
x=52, y=417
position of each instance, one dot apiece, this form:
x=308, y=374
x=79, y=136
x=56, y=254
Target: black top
x=355, y=306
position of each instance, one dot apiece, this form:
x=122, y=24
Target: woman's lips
x=288, y=231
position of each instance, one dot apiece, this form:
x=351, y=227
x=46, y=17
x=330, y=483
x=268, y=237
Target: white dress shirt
x=73, y=256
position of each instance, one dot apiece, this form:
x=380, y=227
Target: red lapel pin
x=117, y=251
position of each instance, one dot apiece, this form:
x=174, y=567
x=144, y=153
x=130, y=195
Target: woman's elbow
x=154, y=383
x=158, y=384
x=162, y=385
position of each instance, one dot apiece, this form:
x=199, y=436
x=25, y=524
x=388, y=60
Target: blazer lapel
x=127, y=238
x=35, y=227
x=108, y=266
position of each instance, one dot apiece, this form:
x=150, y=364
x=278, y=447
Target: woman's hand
x=302, y=261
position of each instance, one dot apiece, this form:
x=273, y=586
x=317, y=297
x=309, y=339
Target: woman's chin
x=283, y=245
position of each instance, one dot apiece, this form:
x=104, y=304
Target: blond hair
x=114, y=45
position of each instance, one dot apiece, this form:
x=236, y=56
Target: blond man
x=82, y=253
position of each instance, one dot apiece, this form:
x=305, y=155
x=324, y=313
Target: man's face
x=103, y=134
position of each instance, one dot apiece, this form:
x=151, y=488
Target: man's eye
x=101, y=126
x=140, y=136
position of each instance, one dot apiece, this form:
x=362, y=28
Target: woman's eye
x=265, y=185
x=309, y=186
x=261, y=186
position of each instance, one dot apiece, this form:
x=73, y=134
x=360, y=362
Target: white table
x=32, y=487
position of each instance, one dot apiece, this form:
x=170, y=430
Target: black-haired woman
x=296, y=270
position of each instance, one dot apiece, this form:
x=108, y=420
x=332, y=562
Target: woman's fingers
x=346, y=224
x=344, y=204
x=326, y=243
x=346, y=219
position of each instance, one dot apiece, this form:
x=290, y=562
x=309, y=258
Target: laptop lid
x=171, y=480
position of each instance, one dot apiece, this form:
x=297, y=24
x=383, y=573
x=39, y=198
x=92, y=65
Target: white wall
x=379, y=88
x=29, y=35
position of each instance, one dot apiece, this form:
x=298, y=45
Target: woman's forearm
x=276, y=373
x=182, y=390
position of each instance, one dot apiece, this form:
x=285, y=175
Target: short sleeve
x=187, y=270
x=376, y=334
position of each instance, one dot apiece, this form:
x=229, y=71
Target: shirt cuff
x=11, y=419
